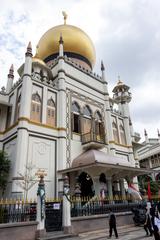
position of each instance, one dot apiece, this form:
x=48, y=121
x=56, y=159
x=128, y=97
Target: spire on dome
x=61, y=39
x=64, y=16
x=158, y=132
x=119, y=80
x=29, y=50
x=145, y=132
x=102, y=66
x=61, y=46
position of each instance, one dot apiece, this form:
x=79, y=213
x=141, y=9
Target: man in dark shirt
x=112, y=224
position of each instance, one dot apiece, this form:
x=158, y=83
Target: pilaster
x=14, y=107
x=44, y=105
x=109, y=183
x=108, y=119
x=26, y=85
x=122, y=188
x=61, y=115
x=21, y=160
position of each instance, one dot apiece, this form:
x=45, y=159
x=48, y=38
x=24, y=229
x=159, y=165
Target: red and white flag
x=134, y=192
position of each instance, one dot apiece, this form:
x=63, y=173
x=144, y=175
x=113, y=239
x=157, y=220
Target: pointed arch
x=18, y=107
x=87, y=120
x=122, y=134
x=98, y=126
x=76, y=121
x=115, y=132
x=36, y=107
x=87, y=111
x=51, y=112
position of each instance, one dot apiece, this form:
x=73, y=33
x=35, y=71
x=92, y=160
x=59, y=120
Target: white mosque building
x=59, y=117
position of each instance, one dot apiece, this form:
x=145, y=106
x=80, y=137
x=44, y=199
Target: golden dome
x=76, y=42
x=38, y=60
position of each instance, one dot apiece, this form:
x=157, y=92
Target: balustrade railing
x=93, y=137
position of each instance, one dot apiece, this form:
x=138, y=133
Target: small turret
x=29, y=50
x=121, y=93
x=104, y=79
x=122, y=97
x=10, y=79
x=146, y=136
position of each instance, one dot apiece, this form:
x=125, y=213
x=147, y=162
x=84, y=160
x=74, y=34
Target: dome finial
x=65, y=16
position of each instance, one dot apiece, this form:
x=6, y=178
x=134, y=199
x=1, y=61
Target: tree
x=4, y=170
x=27, y=180
x=143, y=184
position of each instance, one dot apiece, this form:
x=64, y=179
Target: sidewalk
x=125, y=233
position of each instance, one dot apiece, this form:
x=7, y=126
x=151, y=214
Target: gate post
x=67, y=228
x=41, y=204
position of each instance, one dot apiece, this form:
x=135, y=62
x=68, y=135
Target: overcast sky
x=126, y=35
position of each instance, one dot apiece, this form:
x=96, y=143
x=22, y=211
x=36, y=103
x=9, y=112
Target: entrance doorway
x=86, y=184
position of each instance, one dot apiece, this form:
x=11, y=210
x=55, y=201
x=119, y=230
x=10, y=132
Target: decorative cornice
x=41, y=124
x=27, y=75
x=8, y=129
x=32, y=122
x=122, y=145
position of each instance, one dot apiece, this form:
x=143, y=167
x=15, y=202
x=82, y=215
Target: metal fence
x=95, y=207
x=17, y=211
x=21, y=211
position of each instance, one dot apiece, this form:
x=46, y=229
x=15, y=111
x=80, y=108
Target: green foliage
x=4, y=170
x=143, y=183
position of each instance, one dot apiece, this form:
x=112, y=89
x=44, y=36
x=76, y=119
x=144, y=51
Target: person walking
x=112, y=224
x=154, y=221
x=147, y=224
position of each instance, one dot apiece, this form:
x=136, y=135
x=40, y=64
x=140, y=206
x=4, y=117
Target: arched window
x=115, y=132
x=99, y=129
x=76, y=118
x=18, y=107
x=87, y=123
x=51, y=112
x=36, y=108
x=122, y=134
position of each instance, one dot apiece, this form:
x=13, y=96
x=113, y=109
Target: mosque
x=59, y=117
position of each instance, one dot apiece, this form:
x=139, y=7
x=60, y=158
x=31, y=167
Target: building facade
x=60, y=117
x=149, y=155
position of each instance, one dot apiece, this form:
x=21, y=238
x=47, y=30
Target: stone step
x=57, y=235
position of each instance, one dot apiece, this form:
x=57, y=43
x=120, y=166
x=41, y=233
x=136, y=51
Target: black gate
x=53, y=216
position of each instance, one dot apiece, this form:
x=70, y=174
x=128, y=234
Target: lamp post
x=41, y=203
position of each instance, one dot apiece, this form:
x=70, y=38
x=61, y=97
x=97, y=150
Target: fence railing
x=95, y=207
x=21, y=211
x=17, y=211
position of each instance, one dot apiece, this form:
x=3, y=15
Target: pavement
x=125, y=233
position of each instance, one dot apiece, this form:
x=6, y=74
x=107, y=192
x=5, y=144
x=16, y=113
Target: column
x=110, y=192
x=41, y=232
x=61, y=116
x=21, y=161
x=26, y=85
x=97, y=186
x=67, y=228
x=122, y=188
